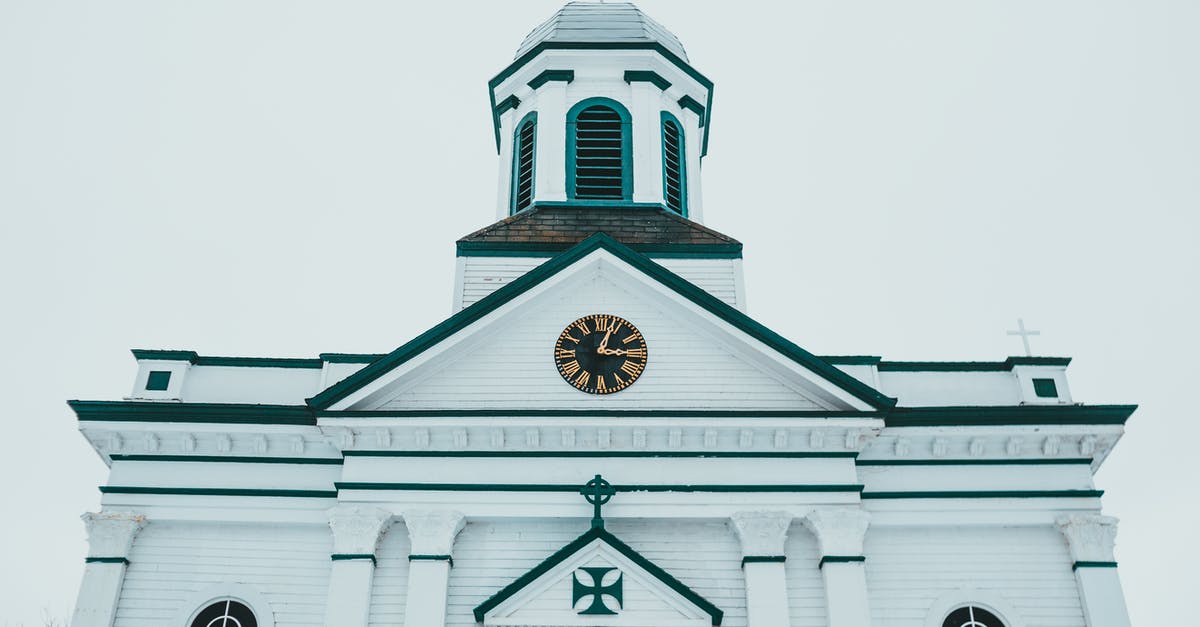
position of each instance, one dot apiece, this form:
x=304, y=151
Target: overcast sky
x=286, y=178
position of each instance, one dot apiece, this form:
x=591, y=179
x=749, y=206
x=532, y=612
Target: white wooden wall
x=806, y=588
x=389, y=590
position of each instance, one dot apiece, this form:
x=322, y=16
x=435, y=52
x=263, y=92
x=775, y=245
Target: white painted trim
x=989, y=600
x=239, y=592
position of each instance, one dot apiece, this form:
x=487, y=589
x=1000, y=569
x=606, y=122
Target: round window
x=971, y=616
x=225, y=613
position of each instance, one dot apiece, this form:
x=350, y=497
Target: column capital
x=110, y=533
x=1091, y=537
x=432, y=532
x=761, y=533
x=839, y=530
x=357, y=528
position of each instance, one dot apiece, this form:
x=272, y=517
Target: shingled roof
x=554, y=229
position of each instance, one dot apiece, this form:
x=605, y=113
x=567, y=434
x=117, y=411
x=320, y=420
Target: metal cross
x=1024, y=335
x=597, y=591
x=597, y=492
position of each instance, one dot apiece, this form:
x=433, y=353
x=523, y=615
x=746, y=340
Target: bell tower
x=600, y=107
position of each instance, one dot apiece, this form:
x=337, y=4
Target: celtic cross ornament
x=597, y=492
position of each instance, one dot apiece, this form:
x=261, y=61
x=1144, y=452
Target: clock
x=600, y=354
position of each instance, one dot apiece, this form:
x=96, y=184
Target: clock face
x=600, y=354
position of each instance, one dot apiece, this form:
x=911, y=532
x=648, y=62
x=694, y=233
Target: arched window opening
x=225, y=613
x=598, y=142
x=972, y=616
x=674, y=179
x=523, y=162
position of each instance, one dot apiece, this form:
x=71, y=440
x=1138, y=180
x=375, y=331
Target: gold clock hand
x=604, y=343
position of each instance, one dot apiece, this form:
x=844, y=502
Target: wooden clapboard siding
x=490, y=555
x=170, y=562
x=908, y=568
x=389, y=589
x=805, y=587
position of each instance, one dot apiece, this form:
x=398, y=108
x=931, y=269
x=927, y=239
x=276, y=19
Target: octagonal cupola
x=601, y=107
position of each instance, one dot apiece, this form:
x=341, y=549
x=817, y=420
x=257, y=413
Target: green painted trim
x=626, y=146
x=620, y=454
x=351, y=358
x=532, y=116
x=565, y=76
x=538, y=249
x=971, y=366
x=259, y=362
x=574, y=488
x=414, y=557
x=512, y=102
x=316, y=494
x=106, y=560
x=840, y=559
x=640, y=262
x=520, y=62
x=164, y=355
x=986, y=494
x=347, y=557
x=852, y=360
x=1086, y=564
x=517, y=251
x=136, y=411
x=975, y=462
x=561, y=555
x=763, y=559
x=665, y=117
x=689, y=103
x=331, y=461
x=647, y=76
x=594, y=413
x=1009, y=416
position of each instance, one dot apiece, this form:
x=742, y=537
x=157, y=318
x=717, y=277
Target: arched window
x=674, y=169
x=599, y=166
x=524, y=143
x=225, y=613
x=972, y=616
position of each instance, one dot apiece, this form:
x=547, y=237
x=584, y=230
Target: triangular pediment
x=498, y=353
x=597, y=580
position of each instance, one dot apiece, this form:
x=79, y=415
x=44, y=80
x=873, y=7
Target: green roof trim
x=689, y=103
x=582, y=45
x=643, y=264
x=571, y=487
x=1009, y=415
x=615, y=454
x=106, y=560
x=539, y=249
x=593, y=413
x=259, y=362
x=1054, y=461
x=233, y=459
x=565, y=76
x=316, y=494
x=851, y=360
x=194, y=358
x=512, y=102
x=221, y=413
x=164, y=355
x=647, y=76
x=985, y=494
x=578, y=544
x=971, y=366
x=351, y=358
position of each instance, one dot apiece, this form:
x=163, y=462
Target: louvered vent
x=598, y=154
x=673, y=166
x=523, y=190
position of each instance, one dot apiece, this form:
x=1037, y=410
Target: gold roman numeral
x=582, y=326
x=583, y=378
x=632, y=337
x=570, y=368
x=567, y=336
x=563, y=353
x=636, y=352
x=632, y=369
x=620, y=381
x=600, y=387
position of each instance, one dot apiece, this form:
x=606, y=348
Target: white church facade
x=599, y=434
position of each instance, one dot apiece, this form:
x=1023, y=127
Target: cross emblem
x=597, y=492
x=1024, y=335
x=597, y=591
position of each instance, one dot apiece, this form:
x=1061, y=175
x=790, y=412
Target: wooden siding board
x=389, y=588
x=805, y=586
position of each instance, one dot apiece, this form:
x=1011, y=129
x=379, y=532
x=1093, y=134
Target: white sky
x=285, y=178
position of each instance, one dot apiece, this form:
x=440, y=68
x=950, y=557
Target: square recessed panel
x=158, y=380
x=1045, y=388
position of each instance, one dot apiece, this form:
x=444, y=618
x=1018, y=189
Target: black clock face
x=600, y=354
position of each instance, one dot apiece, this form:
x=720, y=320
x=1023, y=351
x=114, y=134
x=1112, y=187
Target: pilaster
x=840, y=533
x=1091, y=538
x=550, y=158
x=431, y=533
x=356, y=532
x=646, y=143
x=110, y=536
x=762, y=535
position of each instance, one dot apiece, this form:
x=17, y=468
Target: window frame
x=665, y=117
x=242, y=593
x=989, y=600
x=516, y=164
x=626, y=149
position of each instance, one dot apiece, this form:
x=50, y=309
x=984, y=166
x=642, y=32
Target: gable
x=633, y=592
x=628, y=279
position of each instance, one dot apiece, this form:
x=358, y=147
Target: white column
x=762, y=535
x=110, y=535
x=550, y=159
x=432, y=534
x=508, y=121
x=840, y=533
x=1091, y=538
x=646, y=142
x=356, y=532
x=693, y=141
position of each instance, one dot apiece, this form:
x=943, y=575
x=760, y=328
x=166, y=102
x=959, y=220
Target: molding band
x=967, y=416
x=413, y=557
x=975, y=462
x=986, y=494
x=346, y=557
x=565, y=76
x=689, y=103
x=333, y=461
x=840, y=559
x=317, y=494
x=763, y=559
x=1085, y=564
x=623, y=454
x=647, y=76
x=106, y=560
x=512, y=102
x=222, y=413
x=574, y=488
x=593, y=413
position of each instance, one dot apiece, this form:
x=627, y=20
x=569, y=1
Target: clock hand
x=604, y=343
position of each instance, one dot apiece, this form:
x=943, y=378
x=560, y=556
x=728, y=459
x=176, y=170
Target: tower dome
x=602, y=23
